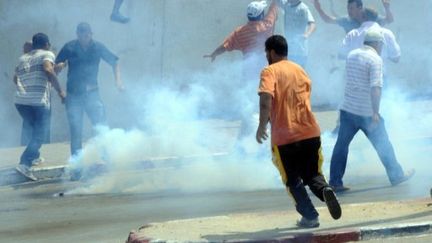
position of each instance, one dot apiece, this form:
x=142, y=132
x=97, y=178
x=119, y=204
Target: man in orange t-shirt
x=284, y=92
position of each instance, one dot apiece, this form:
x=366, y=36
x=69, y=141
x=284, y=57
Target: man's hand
x=62, y=96
x=386, y=3
x=211, y=56
x=120, y=86
x=375, y=121
x=59, y=67
x=261, y=134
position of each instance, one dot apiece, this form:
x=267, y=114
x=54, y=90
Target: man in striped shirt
x=34, y=77
x=360, y=111
x=250, y=38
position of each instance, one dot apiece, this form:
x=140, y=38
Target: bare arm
x=118, y=81
x=59, y=67
x=52, y=78
x=310, y=29
x=388, y=13
x=324, y=16
x=265, y=108
x=376, y=98
x=218, y=51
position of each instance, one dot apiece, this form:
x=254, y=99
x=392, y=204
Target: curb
x=339, y=236
x=10, y=176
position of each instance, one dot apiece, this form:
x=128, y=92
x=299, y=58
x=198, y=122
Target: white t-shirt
x=297, y=18
x=355, y=38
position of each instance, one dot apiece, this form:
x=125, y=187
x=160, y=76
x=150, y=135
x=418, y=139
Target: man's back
x=355, y=38
x=291, y=116
x=363, y=71
x=33, y=78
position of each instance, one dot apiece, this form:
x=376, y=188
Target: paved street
x=34, y=212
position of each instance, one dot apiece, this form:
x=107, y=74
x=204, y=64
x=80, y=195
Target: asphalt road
x=34, y=211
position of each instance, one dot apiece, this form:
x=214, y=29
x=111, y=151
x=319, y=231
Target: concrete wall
x=166, y=39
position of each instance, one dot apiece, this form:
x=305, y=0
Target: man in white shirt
x=299, y=25
x=360, y=111
x=354, y=39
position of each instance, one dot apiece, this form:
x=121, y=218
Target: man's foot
x=340, y=189
x=308, y=223
x=404, y=178
x=332, y=203
x=117, y=17
x=38, y=161
x=26, y=171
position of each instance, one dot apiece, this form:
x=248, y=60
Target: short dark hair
x=278, y=44
x=370, y=14
x=359, y=3
x=39, y=41
x=83, y=27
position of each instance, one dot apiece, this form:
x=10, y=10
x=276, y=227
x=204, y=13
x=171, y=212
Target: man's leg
x=311, y=166
x=96, y=112
x=26, y=113
x=379, y=138
x=95, y=109
x=74, y=110
x=286, y=160
x=39, y=116
x=116, y=15
x=348, y=129
x=26, y=132
x=310, y=163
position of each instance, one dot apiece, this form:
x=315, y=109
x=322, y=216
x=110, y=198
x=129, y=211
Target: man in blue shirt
x=83, y=56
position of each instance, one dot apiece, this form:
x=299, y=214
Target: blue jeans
x=36, y=117
x=350, y=124
x=76, y=104
x=27, y=130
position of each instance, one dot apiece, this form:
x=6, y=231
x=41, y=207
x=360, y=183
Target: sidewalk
x=359, y=222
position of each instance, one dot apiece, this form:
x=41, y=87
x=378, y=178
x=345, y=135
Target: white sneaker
x=26, y=171
x=38, y=161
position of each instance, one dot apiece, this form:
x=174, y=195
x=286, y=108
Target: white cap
x=255, y=8
x=374, y=35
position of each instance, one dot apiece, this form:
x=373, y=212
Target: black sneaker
x=340, y=189
x=117, y=17
x=332, y=203
x=404, y=178
x=308, y=223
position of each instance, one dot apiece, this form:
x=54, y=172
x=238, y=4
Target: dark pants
x=300, y=164
x=76, y=104
x=350, y=124
x=37, y=118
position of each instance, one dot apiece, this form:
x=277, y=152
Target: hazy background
x=164, y=43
